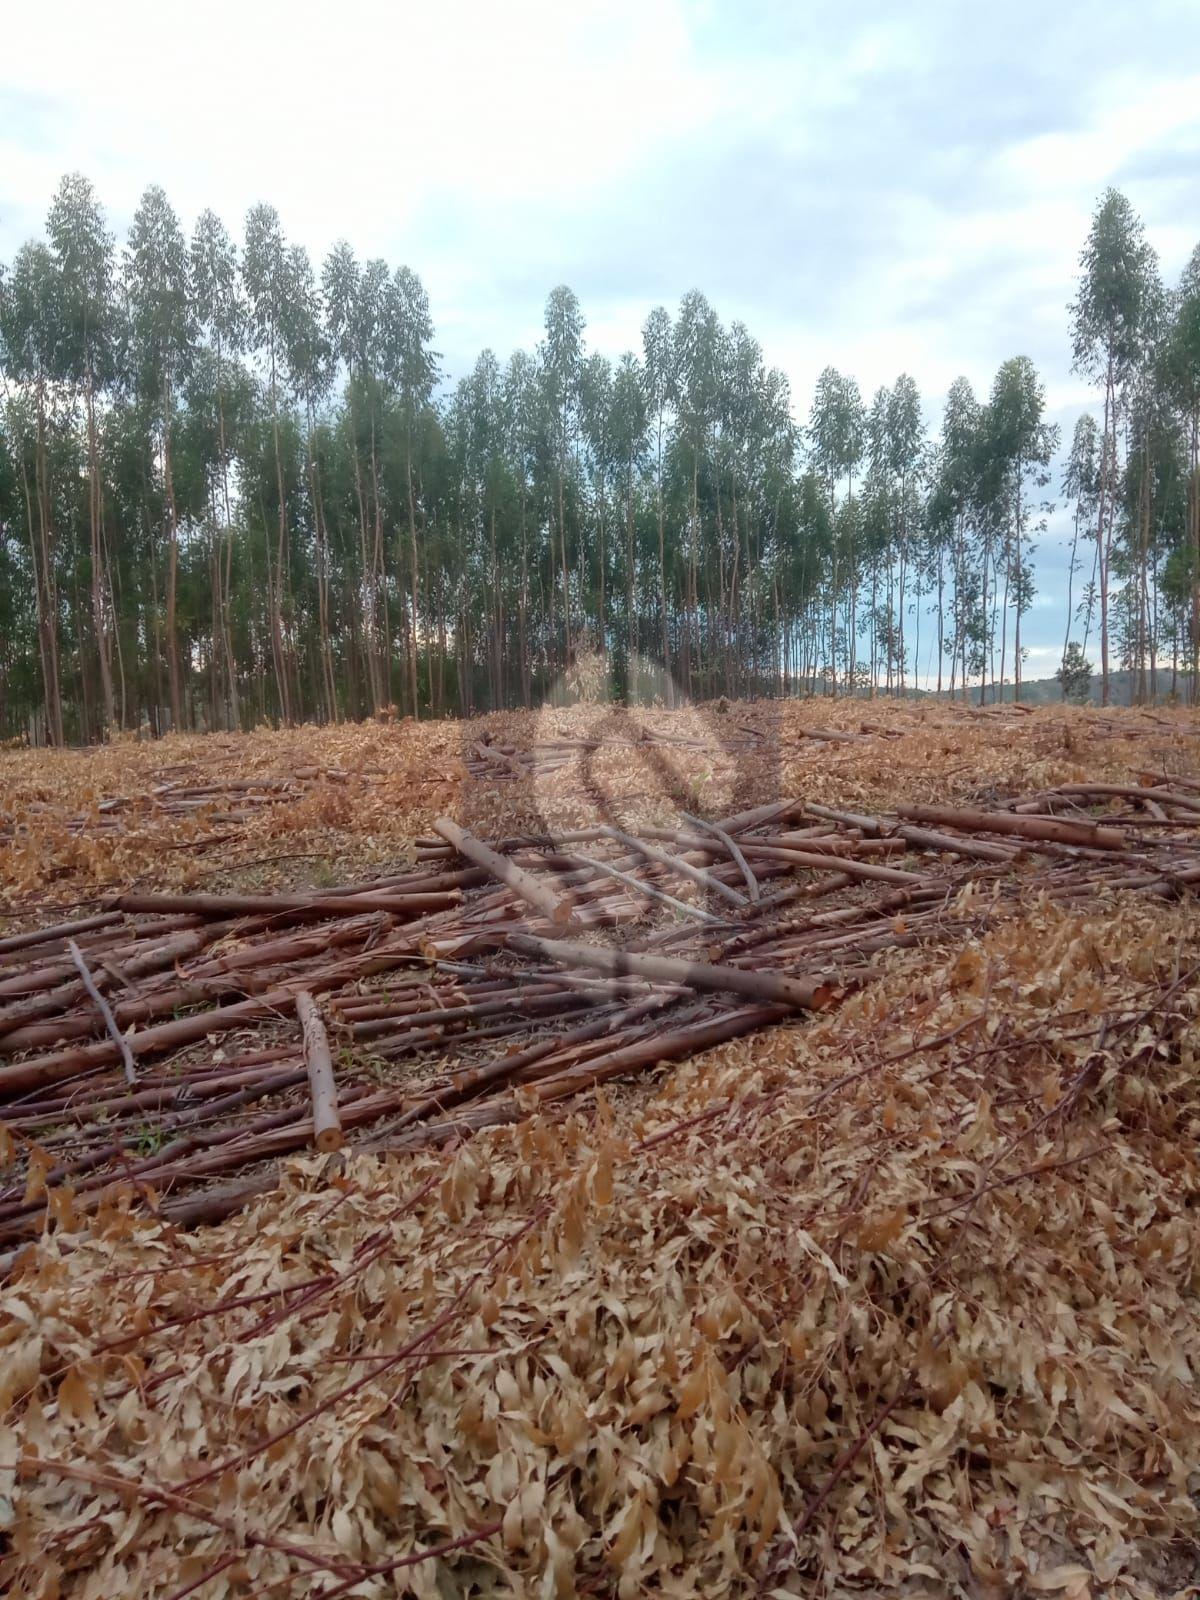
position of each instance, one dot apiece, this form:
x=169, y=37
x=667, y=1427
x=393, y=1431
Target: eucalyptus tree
x=308, y=359
x=162, y=341
x=952, y=503
x=906, y=449
x=412, y=370
x=353, y=313
x=658, y=347
x=268, y=274
x=836, y=434
x=220, y=311
x=82, y=249
x=697, y=354
x=1023, y=443
x=1081, y=487
x=482, y=398
x=877, y=524
x=522, y=412
x=1181, y=372
x=743, y=421
x=629, y=439
x=561, y=357
x=1118, y=277
x=28, y=341
x=596, y=427
x=774, y=457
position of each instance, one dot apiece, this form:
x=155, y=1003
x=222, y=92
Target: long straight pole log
x=1049, y=829
x=804, y=994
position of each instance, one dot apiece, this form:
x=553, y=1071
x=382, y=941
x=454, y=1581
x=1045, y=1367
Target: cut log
x=524, y=884
x=1051, y=830
x=979, y=849
x=327, y=1125
x=295, y=906
x=804, y=994
x=851, y=819
x=64, y=930
x=831, y=735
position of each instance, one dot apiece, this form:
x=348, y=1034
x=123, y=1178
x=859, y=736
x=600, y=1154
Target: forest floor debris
x=901, y=1294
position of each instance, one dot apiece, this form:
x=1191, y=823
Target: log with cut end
x=524, y=884
x=851, y=819
x=63, y=930
x=979, y=849
x=327, y=1124
x=1051, y=830
x=805, y=994
x=294, y=906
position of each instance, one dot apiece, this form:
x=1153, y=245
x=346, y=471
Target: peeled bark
x=327, y=1124
x=529, y=888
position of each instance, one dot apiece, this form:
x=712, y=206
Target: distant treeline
x=1171, y=686
x=235, y=486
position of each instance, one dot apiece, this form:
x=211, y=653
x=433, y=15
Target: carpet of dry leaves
x=902, y=1298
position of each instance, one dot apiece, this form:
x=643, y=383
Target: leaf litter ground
x=901, y=1297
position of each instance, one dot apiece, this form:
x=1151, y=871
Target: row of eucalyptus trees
x=235, y=485
x=1134, y=477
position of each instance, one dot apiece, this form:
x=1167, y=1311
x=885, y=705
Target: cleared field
x=671, y=1280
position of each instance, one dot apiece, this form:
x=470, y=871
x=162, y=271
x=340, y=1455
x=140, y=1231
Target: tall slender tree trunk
x=98, y=586
x=662, y=573
x=225, y=579
x=328, y=679
x=172, y=564
x=1020, y=595
x=1107, y=453
x=415, y=589
x=283, y=664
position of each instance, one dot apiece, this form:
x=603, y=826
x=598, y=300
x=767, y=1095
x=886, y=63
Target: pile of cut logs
x=167, y=1049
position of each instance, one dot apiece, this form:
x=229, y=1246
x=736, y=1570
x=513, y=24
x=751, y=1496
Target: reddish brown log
x=293, y=905
x=1051, y=830
x=64, y=930
x=658, y=1047
x=244, y=971
x=51, y=1000
x=18, y=1077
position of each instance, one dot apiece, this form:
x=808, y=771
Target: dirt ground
x=899, y=1298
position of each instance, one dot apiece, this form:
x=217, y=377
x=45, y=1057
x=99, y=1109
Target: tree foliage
x=236, y=484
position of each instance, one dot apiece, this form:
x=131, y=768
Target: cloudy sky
x=885, y=187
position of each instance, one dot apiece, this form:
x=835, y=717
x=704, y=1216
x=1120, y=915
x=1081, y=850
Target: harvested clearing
x=757, y=1156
